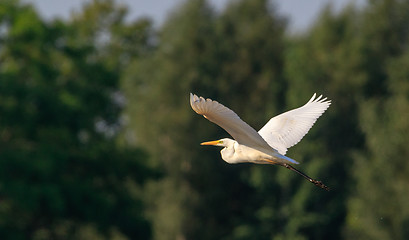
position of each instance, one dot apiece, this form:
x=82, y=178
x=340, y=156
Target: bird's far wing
x=287, y=129
x=229, y=121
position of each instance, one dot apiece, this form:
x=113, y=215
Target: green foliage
x=218, y=57
x=62, y=175
x=328, y=60
x=69, y=169
x=240, y=58
x=378, y=209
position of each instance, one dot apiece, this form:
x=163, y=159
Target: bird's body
x=267, y=146
x=238, y=153
x=234, y=152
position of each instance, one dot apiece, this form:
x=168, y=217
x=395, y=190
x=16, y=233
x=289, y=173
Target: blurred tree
x=62, y=174
x=329, y=60
x=157, y=89
x=66, y=169
x=235, y=57
x=377, y=208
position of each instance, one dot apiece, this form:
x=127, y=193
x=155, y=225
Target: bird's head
x=225, y=142
x=228, y=150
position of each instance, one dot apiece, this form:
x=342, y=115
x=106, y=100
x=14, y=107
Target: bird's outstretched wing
x=229, y=121
x=287, y=129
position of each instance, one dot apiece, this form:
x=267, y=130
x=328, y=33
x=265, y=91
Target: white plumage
x=287, y=129
x=229, y=121
x=270, y=144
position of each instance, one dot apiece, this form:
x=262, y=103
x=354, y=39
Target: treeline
x=63, y=174
x=98, y=140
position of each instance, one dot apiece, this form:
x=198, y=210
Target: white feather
x=287, y=129
x=229, y=121
x=280, y=133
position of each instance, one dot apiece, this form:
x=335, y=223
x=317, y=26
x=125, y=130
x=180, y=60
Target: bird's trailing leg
x=315, y=182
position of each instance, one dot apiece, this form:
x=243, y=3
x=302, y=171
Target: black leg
x=315, y=182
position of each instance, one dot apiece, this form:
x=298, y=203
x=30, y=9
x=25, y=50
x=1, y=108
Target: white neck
x=229, y=150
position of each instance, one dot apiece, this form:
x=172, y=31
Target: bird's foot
x=320, y=184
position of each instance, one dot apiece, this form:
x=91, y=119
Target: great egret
x=269, y=145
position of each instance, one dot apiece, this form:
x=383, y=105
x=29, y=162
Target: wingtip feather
x=312, y=98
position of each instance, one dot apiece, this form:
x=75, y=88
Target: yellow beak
x=210, y=143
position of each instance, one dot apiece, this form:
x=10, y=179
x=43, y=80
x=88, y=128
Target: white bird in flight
x=269, y=145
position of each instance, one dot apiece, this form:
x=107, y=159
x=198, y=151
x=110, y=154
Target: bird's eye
x=220, y=141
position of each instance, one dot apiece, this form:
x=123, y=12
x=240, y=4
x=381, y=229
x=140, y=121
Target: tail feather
x=284, y=159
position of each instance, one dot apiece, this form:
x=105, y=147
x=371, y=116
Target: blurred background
x=98, y=140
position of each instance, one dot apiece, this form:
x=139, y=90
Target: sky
x=301, y=13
